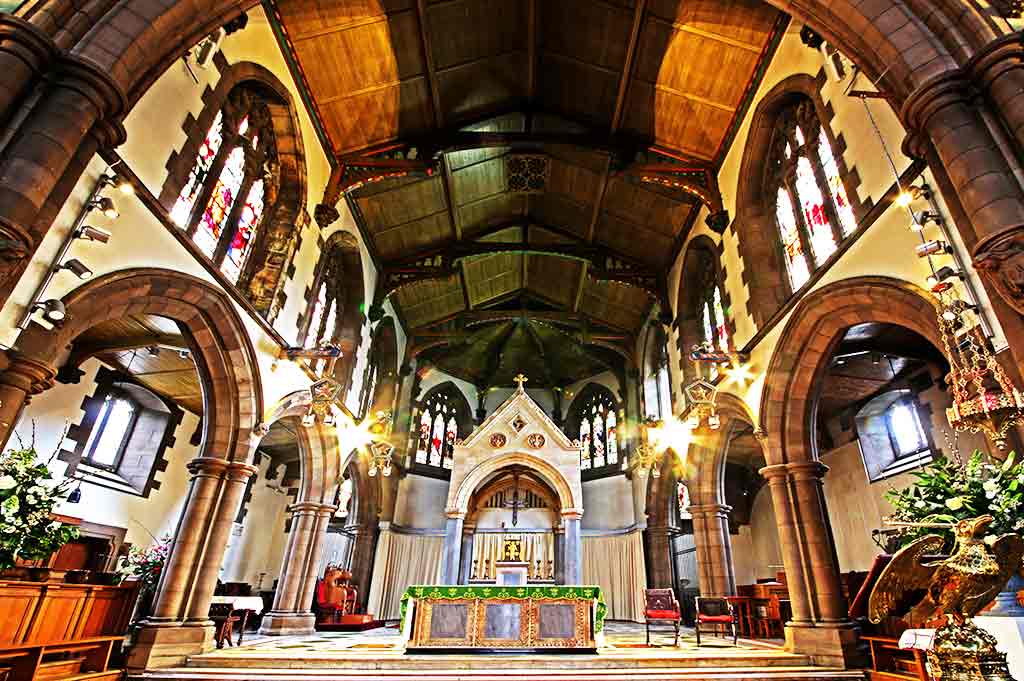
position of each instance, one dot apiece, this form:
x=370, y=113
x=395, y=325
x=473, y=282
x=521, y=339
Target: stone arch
x=567, y=497
x=220, y=344
x=808, y=340
x=764, y=271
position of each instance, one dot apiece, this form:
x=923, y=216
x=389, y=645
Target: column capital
x=920, y=105
x=30, y=375
x=999, y=56
x=102, y=91
x=27, y=42
x=310, y=507
x=721, y=510
x=214, y=466
x=572, y=514
x=800, y=470
x=455, y=515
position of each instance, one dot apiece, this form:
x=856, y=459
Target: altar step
x=534, y=673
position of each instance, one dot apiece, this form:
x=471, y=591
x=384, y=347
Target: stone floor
x=378, y=655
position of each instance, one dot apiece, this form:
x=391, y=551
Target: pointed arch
x=442, y=418
x=595, y=418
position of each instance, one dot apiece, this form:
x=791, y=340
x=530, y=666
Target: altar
x=442, y=618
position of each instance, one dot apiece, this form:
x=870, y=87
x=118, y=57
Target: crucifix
x=515, y=504
x=519, y=380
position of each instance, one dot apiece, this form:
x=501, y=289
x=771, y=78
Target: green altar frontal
x=503, y=617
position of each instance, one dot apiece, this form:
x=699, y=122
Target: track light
x=106, y=206
x=122, y=185
x=184, y=354
x=53, y=310
x=939, y=281
x=153, y=350
x=933, y=247
x=90, y=233
x=78, y=268
x=911, y=194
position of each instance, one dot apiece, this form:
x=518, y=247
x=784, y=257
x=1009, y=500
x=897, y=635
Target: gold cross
x=520, y=379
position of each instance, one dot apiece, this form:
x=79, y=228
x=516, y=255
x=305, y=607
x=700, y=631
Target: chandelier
x=380, y=450
x=701, y=396
x=323, y=395
x=645, y=454
x=984, y=399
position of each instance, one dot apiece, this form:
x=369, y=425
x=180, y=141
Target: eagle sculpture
x=954, y=588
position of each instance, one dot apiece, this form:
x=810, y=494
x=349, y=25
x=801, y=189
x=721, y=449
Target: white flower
x=955, y=503
x=920, y=504
x=7, y=482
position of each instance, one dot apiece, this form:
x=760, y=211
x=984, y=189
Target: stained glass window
x=241, y=242
x=835, y=185
x=706, y=326
x=792, y=248
x=237, y=158
x=223, y=198
x=721, y=325
x=438, y=428
x=182, y=210
x=823, y=242
x=683, y=500
x=812, y=208
x=597, y=433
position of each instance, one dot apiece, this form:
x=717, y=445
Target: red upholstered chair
x=661, y=607
x=713, y=613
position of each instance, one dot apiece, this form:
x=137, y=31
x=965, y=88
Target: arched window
x=714, y=324
x=812, y=210
x=112, y=430
x=442, y=421
x=594, y=421
x=657, y=390
x=222, y=203
x=683, y=500
x=335, y=311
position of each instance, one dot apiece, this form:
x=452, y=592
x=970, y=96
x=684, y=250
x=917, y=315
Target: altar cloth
x=496, y=592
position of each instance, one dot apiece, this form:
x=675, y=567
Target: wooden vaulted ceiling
x=631, y=102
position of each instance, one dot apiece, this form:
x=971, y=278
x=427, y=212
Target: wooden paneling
x=493, y=276
x=554, y=279
x=623, y=306
x=18, y=602
x=431, y=300
x=49, y=612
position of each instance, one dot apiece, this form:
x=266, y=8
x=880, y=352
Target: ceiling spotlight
x=53, y=310
x=153, y=350
x=90, y=233
x=184, y=354
x=106, y=206
x=934, y=247
x=78, y=268
x=939, y=281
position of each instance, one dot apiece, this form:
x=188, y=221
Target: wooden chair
x=714, y=613
x=224, y=618
x=768, y=616
x=661, y=607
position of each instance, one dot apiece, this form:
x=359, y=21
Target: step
x=510, y=674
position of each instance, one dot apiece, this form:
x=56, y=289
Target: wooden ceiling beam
x=545, y=361
x=580, y=287
x=428, y=59
x=531, y=37
x=627, y=67
x=83, y=351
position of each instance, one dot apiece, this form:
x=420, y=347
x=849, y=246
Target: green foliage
x=946, y=491
x=28, y=495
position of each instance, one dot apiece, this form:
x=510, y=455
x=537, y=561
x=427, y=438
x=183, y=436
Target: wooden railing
x=51, y=612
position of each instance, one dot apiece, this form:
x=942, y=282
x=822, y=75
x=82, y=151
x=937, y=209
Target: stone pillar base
x=168, y=645
x=834, y=646
x=287, y=623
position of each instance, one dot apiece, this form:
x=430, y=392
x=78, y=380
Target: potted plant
x=147, y=565
x=947, y=491
x=28, y=495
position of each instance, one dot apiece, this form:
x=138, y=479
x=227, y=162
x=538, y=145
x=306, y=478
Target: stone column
x=24, y=53
x=999, y=67
x=659, y=557
x=363, y=553
x=19, y=381
x=179, y=626
x=72, y=108
x=451, y=560
x=466, y=569
x=819, y=627
x=291, y=613
x=714, y=549
x=572, y=544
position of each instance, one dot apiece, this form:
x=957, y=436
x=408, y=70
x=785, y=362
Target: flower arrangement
x=28, y=495
x=147, y=564
x=946, y=491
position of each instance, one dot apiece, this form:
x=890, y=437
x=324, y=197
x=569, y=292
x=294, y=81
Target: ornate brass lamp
x=701, y=397
x=645, y=454
x=323, y=395
x=984, y=399
x=380, y=450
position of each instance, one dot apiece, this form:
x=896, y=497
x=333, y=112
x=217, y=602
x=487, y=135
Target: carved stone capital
x=920, y=105
x=325, y=215
x=26, y=41
x=28, y=375
x=1000, y=259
